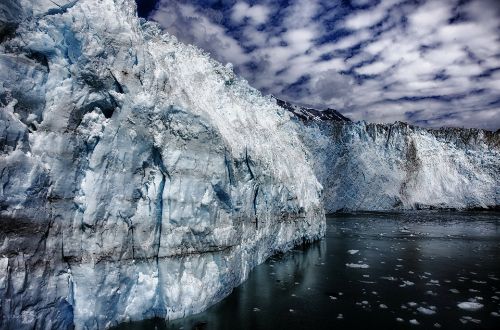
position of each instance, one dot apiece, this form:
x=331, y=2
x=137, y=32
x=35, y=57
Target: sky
x=427, y=62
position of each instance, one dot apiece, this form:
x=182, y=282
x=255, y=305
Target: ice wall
x=139, y=178
x=376, y=167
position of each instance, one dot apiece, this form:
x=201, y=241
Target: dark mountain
x=307, y=114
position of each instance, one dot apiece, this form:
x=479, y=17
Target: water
x=420, y=267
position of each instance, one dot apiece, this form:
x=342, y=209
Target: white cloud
x=364, y=19
x=299, y=40
x=193, y=26
x=431, y=15
x=301, y=13
x=374, y=68
x=258, y=14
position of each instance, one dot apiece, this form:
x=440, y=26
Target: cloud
x=194, y=26
x=430, y=63
x=258, y=14
x=364, y=19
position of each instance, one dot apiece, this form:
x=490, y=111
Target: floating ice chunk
x=389, y=278
x=357, y=265
x=383, y=306
x=340, y=317
x=437, y=325
x=399, y=319
x=495, y=314
x=352, y=251
x=414, y=322
x=412, y=304
x=426, y=311
x=454, y=291
x=470, y=319
x=256, y=309
x=407, y=283
x=470, y=305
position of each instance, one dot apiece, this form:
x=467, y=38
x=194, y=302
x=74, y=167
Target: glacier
x=392, y=167
x=140, y=178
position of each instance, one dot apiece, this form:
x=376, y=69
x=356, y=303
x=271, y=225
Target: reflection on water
x=391, y=271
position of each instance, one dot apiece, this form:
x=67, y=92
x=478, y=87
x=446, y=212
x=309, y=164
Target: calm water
x=418, y=268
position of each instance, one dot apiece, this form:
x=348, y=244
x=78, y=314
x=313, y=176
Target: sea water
x=426, y=269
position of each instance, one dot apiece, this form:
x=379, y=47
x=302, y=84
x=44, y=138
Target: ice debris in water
x=352, y=251
x=470, y=305
x=357, y=265
x=465, y=319
x=426, y=311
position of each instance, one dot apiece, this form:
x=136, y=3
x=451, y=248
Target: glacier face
x=378, y=167
x=139, y=178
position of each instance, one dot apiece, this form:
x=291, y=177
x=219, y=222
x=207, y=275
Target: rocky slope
x=139, y=178
x=309, y=114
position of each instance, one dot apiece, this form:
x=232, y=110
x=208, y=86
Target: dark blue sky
x=431, y=63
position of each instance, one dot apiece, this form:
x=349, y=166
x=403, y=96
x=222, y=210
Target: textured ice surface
x=139, y=178
x=373, y=167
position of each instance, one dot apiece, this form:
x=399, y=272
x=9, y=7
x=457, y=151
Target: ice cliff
x=139, y=178
x=377, y=167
